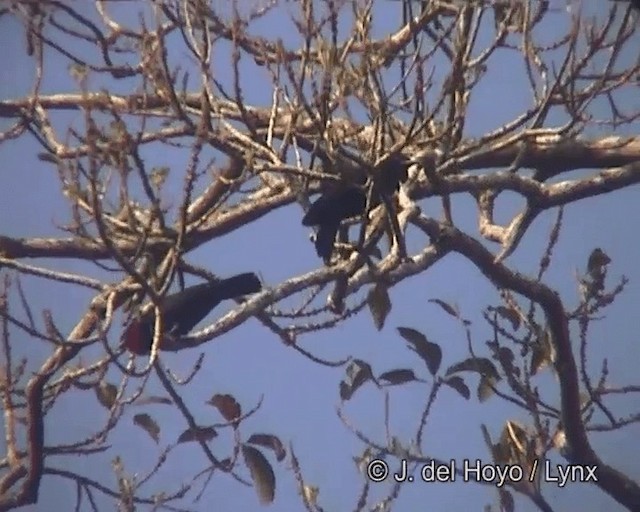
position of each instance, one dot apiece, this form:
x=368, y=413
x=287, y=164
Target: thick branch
x=613, y=482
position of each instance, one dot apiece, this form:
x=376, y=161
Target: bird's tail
x=325, y=238
x=236, y=286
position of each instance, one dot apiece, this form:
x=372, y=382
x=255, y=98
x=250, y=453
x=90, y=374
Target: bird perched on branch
x=328, y=211
x=343, y=202
x=183, y=310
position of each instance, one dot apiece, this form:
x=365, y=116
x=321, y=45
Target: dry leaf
x=145, y=422
x=197, y=434
x=261, y=473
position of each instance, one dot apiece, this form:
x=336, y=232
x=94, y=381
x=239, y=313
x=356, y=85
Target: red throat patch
x=134, y=340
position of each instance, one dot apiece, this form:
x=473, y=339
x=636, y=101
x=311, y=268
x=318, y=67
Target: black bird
x=183, y=310
x=345, y=201
x=328, y=211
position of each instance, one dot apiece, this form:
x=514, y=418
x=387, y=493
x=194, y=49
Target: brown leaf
x=480, y=365
x=145, y=422
x=358, y=372
x=559, y=439
x=516, y=437
x=310, y=495
x=505, y=355
x=506, y=501
x=447, y=307
x=158, y=176
x=269, y=441
x=379, y=304
x=106, y=394
x=153, y=400
x=597, y=259
x=459, y=385
x=431, y=353
x=346, y=390
x=485, y=389
x=398, y=376
x=261, y=473
x=501, y=453
x=539, y=358
x=226, y=464
x=46, y=157
x=228, y=407
x=509, y=314
x=197, y=434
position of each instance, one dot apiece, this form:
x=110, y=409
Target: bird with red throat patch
x=183, y=310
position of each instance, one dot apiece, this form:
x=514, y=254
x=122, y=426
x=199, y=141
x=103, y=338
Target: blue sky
x=299, y=396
